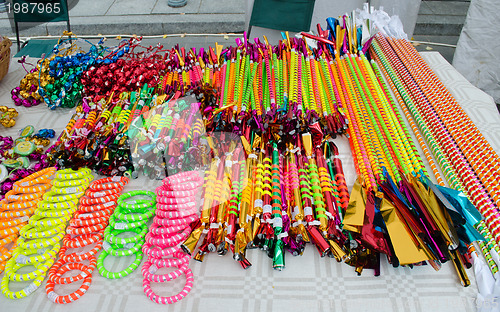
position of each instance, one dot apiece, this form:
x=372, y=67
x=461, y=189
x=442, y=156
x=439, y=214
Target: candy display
x=59, y=82
x=27, y=93
x=23, y=156
x=7, y=116
x=240, y=144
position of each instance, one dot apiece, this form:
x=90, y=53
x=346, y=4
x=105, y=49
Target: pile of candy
x=23, y=156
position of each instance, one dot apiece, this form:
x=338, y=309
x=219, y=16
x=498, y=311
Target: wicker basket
x=4, y=56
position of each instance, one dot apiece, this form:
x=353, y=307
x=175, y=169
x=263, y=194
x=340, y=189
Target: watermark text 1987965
x=34, y=8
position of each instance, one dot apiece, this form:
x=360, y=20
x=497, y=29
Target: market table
x=308, y=282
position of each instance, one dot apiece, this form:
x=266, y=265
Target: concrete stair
x=441, y=18
x=440, y=22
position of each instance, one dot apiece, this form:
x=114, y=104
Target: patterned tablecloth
x=309, y=282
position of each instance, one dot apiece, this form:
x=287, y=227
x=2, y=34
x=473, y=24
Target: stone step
x=444, y=8
x=438, y=39
x=144, y=17
x=136, y=24
x=446, y=52
x=439, y=25
x=441, y=18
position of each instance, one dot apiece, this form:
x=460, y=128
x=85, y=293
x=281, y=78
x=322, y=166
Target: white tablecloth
x=308, y=282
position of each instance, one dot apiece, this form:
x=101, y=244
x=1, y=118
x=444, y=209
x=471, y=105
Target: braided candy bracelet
x=175, y=211
x=39, y=240
x=87, y=227
x=129, y=217
x=17, y=207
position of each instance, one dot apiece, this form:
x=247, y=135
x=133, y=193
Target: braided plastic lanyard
x=130, y=216
x=40, y=238
x=167, y=233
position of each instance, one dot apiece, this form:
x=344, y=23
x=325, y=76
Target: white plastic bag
x=477, y=56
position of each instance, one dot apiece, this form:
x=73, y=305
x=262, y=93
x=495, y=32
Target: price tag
x=106, y=245
x=22, y=259
x=108, y=204
x=152, y=269
x=120, y=226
